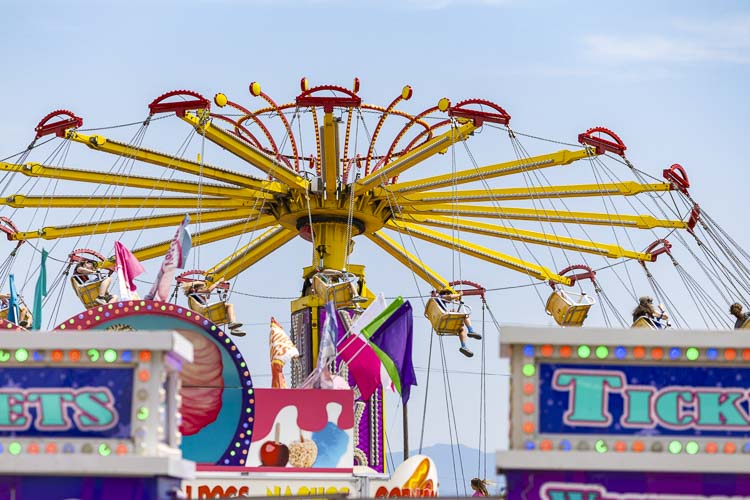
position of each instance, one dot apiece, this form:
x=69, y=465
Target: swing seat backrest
x=216, y=312
x=87, y=291
x=337, y=288
x=746, y=324
x=568, y=309
x=644, y=322
x=443, y=320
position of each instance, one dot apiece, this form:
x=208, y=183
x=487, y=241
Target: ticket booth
x=91, y=415
x=602, y=413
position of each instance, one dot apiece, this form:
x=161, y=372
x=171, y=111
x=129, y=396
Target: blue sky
x=669, y=77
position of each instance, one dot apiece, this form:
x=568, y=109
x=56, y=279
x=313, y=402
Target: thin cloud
x=723, y=41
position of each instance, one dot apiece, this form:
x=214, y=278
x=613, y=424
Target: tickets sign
x=621, y=399
x=65, y=402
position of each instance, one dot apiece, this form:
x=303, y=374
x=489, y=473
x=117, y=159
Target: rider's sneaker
x=237, y=332
x=232, y=326
x=466, y=352
x=474, y=335
x=102, y=301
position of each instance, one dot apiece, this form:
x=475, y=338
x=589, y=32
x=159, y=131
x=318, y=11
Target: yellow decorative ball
x=220, y=100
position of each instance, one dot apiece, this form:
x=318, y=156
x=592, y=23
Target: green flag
x=372, y=327
x=40, y=293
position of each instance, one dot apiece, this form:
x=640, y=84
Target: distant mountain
x=445, y=455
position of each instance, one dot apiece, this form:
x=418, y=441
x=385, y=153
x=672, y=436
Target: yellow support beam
x=22, y=201
x=534, y=237
x=627, y=188
x=101, y=143
x=561, y=216
x=150, y=183
x=478, y=251
x=413, y=263
x=204, y=237
x=563, y=157
x=247, y=152
x=272, y=239
x=435, y=145
x=136, y=224
x=330, y=154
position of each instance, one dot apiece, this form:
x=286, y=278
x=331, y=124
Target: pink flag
x=128, y=268
x=175, y=257
x=363, y=363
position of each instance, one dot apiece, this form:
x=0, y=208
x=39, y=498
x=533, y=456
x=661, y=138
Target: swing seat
x=745, y=325
x=87, y=292
x=337, y=286
x=216, y=312
x=24, y=315
x=644, y=322
x=569, y=309
x=443, y=320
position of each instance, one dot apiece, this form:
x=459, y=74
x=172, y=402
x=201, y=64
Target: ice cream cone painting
x=282, y=350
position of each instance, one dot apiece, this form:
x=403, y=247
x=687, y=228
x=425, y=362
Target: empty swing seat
x=644, y=322
x=337, y=286
x=569, y=309
x=87, y=291
x=216, y=312
x=443, y=320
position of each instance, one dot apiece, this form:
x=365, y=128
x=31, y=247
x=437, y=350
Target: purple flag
x=175, y=258
x=394, y=339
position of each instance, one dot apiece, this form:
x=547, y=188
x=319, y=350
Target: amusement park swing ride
x=373, y=172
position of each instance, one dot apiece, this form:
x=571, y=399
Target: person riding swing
x=448, y=297
x=86, y=272
x=646, y=309
x=198, y=295
x=741, y=318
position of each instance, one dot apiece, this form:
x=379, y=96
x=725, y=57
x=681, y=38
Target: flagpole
x=406, y=430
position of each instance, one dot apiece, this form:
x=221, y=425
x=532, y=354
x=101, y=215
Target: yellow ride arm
x=101, y=143
x=247, y=152
x=203, y=237
x=271, y=240
x=563, y=157
x=433, y=146
x=627, y=188
x=22, y=201
x=69, y=174
x=537, y=238
x=478, y=251
x=412, y=262
x=137, y=224
x=562, y=216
